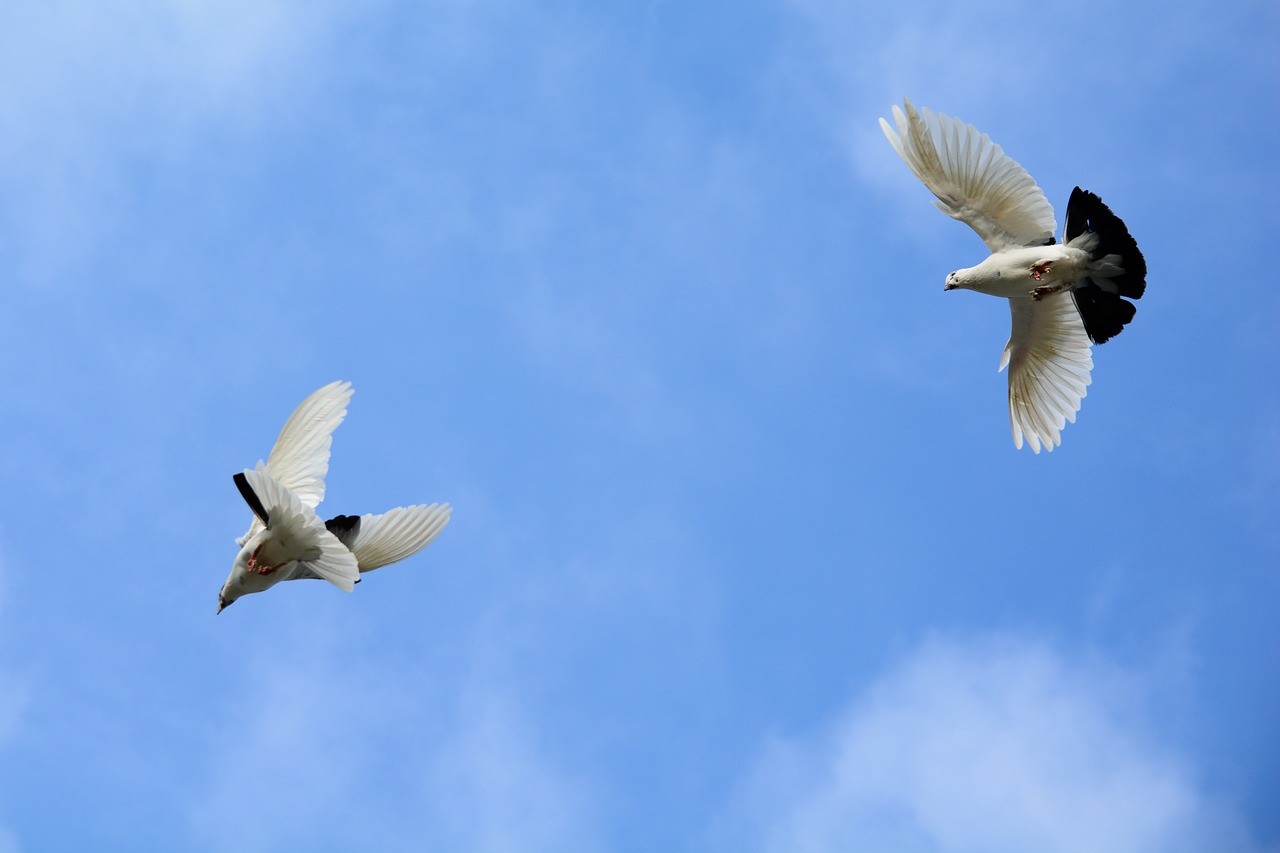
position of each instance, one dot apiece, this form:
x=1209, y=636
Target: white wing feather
x=972, y=177
x=299, y=460
x=394, y=535
x=300, y=457
x=1049, y=363
x=302, y=532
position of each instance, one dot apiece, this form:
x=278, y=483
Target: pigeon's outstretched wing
x=974, y=180
x=1049, y=363
x=399, y=533
x=300, y=532
x=299, y=460
x=380, y=540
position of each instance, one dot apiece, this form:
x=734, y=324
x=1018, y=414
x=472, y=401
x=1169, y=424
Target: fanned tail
x=1117, y=270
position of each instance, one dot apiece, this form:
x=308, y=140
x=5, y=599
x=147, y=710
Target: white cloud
x=468, y=735
x=495, y=787
x=71, y=69
x=998, y=745
x=323, y=746
x=1001, y=65
x=286, y=756
x=952, y=58
x=94, y=95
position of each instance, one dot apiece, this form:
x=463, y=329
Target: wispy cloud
x=464, y=743
x=940, y=55
x=73, y=70
x=92, y=98
x=995, y=63
x=998, y=744
x=291, y=744
x=499, y=728
x=317, y=751
x=494, y=786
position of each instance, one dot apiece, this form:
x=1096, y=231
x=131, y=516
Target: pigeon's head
x=235, y=585
x=953, y=280
x=226, y=597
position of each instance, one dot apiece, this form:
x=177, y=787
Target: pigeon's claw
x=254, y=566
x=1047, y=290
x=1040, y=270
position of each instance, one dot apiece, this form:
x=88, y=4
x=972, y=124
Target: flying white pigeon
x=1063, y=296
x=286, y=540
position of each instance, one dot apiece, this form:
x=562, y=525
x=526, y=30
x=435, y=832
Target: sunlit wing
x=1049, y=363
x=972, y=178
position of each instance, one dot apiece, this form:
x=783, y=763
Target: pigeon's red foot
x=254, y=566
x=1040, y=270
x=1046, y=290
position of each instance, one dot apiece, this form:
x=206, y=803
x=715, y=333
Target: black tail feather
x=1099, y=300
x=345, y=527
x=1104, y=314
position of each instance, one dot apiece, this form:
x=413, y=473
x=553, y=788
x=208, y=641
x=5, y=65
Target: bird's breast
x=1017, y=272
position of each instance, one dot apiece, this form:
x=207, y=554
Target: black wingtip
x=250, y=497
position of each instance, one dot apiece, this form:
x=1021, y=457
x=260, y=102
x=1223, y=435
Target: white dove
x=286, y=540
x=1062, y=296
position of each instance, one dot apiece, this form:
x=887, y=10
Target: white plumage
x=287, y=540
x=1063, y=297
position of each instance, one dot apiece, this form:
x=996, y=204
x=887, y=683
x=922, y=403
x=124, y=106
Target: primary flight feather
x=287, y=540
x=1063, y=297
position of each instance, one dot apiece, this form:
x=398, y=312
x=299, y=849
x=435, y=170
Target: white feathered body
x=283, y=547
x=281, y=551
x=1013, y=273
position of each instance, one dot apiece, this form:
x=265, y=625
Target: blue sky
x=742, y=555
